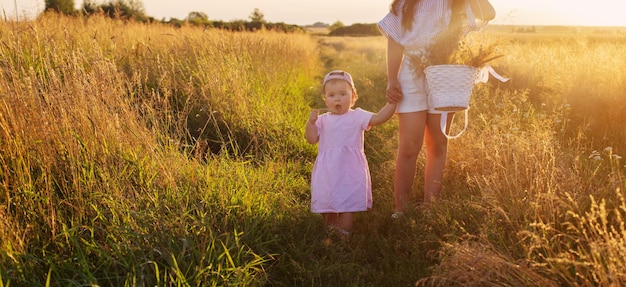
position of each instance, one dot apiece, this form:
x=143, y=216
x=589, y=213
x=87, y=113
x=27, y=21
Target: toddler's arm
x=311, y=130
x=383, y=115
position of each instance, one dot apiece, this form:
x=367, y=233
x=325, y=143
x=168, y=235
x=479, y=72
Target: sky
x=306, y=12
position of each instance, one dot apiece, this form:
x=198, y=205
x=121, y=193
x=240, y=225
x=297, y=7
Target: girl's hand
x=313, y=116
x=393, y=93
x=311, y=130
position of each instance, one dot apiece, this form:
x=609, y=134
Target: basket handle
x=444, y=123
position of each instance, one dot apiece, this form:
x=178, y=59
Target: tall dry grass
x=538, y=182
x=140, y=155
x=116, y=139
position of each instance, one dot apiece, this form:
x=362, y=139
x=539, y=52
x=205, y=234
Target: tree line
x=134, y=10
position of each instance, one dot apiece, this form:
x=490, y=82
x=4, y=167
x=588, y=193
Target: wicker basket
x=450, y=86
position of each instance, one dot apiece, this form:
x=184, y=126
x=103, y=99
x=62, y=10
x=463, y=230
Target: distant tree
x=197, y=16
x=335, y=26
x=90, y=7
x=124, y=9
x=175, y=22
x=319, y=24
x=61, y=6
x=257, y=16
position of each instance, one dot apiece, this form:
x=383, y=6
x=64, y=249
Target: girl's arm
x=395, y=53
x=483, y=10
x=383, y=115
x=311, y=130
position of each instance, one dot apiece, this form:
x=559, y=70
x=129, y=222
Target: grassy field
x=147, y=155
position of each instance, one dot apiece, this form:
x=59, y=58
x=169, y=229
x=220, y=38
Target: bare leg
x=346, y=221
x=338, y=223
x=330, y=219
x=436, y=153
x=411, y=127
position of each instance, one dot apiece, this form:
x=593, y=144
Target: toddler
x=340, y=182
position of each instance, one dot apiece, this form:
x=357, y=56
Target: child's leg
x=331, y=219
x=346, y=220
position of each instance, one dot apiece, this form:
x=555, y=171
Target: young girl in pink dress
x=340, y=182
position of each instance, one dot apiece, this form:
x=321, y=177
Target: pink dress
x=340, y=181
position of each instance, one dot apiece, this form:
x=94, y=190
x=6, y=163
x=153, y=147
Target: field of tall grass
x=147, y=155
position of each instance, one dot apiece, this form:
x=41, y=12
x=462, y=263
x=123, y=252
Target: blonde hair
x=408, y=11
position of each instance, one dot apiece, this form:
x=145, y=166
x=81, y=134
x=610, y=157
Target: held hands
x=393, y=93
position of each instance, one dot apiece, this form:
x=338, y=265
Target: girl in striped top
x=411, y=28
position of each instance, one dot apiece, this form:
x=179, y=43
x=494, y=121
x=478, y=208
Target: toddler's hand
x=394, y=94
x=313, y=116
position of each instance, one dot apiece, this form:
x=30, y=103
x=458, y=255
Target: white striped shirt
x=431, y=18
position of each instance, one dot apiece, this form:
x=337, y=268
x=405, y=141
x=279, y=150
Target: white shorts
x=414, y=95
